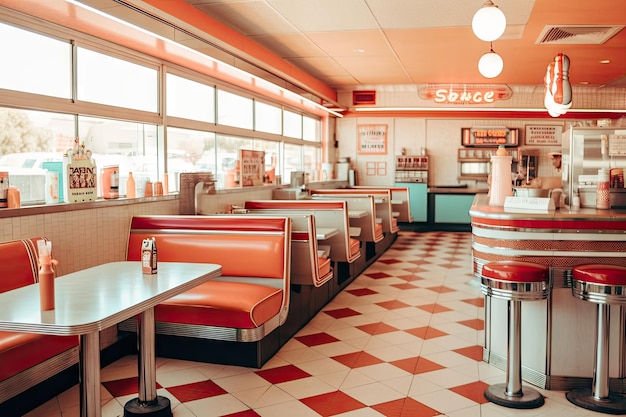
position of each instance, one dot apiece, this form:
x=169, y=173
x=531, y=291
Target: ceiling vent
x=363, y=97
x=577, y=34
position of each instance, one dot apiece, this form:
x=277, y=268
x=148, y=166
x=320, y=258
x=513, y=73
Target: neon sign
x=465, y=93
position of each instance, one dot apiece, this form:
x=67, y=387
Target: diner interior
x=345, y=272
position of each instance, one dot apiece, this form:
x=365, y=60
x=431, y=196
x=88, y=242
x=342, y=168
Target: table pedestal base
x=162, y=408
x=613, y=404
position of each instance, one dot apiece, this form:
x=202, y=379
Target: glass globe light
x=490, y=65
x=489, y=22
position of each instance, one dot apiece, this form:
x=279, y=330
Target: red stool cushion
x=516, y=271
x=600, y=274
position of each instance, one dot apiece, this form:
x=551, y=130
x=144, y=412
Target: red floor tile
x=472, y=352
x=196, y=391
x=408, y=364
x=357, y=359
x=478, y=302
x=377, y=275
x=406, y=286
x=426, y=332
x=476, y=324
x=316, y=339
x=434, y=308
x=424, y=365
x=282, y=374
x=377, y=328
x=332, y=403
x=126, y=386
x=393, y=304
x=361, y=291
x=342, y=312
x=405, y=407
x=473, y=391
x=247, y=413
x=388, y=261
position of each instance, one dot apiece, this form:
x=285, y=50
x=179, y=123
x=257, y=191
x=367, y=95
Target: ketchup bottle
x=46, y=275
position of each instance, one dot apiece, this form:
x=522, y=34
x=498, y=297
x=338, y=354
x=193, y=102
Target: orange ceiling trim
x=227, y=37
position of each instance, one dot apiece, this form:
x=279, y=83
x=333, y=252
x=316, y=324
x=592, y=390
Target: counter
x=449, y=205
x=558, y=336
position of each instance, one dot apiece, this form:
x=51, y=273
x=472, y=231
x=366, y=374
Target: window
x=267, y=118
x=34, y=63
x=292, y=124
x=234, y=110
x=108, y=80
x=117, y=113
x=129, y=145
x=190, y=99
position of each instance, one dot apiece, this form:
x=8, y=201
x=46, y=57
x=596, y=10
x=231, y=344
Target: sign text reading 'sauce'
x=464, y=97
x=465, y=93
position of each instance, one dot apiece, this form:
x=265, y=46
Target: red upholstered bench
x=248, y=301
x=28, y=359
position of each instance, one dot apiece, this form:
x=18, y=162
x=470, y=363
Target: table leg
x=89, y=363
x=147, y=403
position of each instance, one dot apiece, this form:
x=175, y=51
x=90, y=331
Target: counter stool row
x=517, y=281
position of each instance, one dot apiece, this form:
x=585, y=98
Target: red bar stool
x=515, y=282
x=603, y=285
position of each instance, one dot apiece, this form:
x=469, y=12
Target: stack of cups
x=602, y=192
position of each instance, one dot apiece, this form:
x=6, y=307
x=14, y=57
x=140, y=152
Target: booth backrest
x=382, y=197
x=224, y=240
x=400, y=201
x=362, y=215
x=328, y=214
x=19, y=260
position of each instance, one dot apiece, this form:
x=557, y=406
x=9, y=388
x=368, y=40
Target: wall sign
x=543, y=135
x=465, y=93
x=252, y=167
x=372, y=139
x=489, y=136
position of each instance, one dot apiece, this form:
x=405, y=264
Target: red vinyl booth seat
x=21, y=352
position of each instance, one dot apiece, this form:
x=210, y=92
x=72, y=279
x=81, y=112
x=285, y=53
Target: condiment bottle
x=148, y=189
x=46, y=275
x=14, y=199
x=602, y=191
x=501, y=185
x=130, y=186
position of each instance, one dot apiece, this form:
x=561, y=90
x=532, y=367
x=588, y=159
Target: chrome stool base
x=530, y=398
x=582, y=397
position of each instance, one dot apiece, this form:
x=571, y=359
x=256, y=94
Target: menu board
x=489, y=136
x=252, y=165
x=617, y=145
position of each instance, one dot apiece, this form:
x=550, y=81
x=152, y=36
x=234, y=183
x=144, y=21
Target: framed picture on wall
x=372, y=139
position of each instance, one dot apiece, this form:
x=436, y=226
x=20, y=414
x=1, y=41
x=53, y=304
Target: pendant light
x=489, y=22
x=490, y=65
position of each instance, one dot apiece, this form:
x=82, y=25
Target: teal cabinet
x=453, y=208
x=418, y=198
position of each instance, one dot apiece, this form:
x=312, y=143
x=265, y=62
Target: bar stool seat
x=515, y=282
x=603, y=285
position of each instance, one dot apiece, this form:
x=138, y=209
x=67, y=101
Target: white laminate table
x=96, y=298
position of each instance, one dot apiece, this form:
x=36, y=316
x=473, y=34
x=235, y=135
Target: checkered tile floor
x=403, y=340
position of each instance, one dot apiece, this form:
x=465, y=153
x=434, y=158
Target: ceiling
x=322, y=47
x=353, y=43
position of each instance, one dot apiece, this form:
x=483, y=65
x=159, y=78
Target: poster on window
x=372, y=139
x=252, y=165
